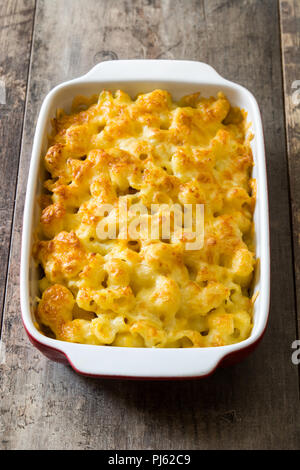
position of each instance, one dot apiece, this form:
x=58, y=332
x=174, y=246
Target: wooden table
x=254, y=404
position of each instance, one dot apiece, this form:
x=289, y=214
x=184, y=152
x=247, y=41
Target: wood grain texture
x=16, y=20
x=290, y=44
x=251, y=405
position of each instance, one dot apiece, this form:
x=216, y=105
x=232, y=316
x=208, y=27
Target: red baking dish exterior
x=57, y=356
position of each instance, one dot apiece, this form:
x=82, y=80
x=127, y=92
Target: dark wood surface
x=16, y=24
x=290, y=40
x=254, y=404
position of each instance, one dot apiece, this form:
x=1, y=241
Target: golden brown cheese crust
x=147, y=293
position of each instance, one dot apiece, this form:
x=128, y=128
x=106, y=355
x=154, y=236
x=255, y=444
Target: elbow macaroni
x=147, y=293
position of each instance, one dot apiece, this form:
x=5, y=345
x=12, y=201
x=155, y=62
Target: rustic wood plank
x=290, y=45
x=251, y=405
x=16, y=20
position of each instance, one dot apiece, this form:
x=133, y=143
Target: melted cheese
x=147, y=293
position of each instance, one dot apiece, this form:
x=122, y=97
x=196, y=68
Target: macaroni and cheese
x=140, y=291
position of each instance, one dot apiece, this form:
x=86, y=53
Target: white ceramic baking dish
x=135, y=76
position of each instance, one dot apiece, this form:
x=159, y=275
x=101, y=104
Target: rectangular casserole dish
x=136, y=76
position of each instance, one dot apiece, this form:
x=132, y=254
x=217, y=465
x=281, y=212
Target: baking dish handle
x=104, y=361
x=135, y=70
